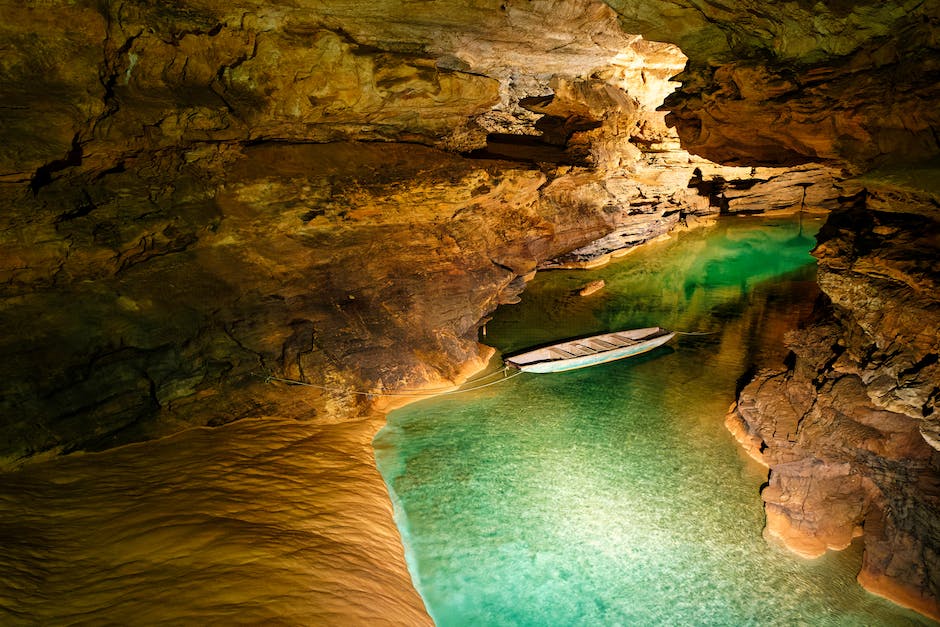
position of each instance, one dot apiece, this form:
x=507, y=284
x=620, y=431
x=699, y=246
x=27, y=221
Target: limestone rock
x=353, y=266
x=49, y=105
x=591, y=288
x=879, y=269
x=197, y=195
x=163, y=253
x=785, y=83
x=841, y=427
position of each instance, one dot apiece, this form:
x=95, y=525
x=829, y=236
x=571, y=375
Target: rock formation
x=198, y=196
x=195, y=214
x=848, y=426
x=784, y=83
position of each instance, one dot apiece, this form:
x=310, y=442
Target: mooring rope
x=425, y=392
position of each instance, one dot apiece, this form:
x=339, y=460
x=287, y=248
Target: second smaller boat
x=590, y=351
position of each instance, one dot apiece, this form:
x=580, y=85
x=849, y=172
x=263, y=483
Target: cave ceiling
x=766, y=83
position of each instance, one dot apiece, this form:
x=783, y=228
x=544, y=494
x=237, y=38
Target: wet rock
x=841, y=428
x=592, y=287
x=198, y=196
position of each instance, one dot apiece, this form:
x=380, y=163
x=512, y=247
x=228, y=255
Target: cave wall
x=198, y=195
x=778, y=83
x=848, y=426
x=185, y=210
x=764, y=84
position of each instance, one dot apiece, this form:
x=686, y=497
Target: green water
x=614, y=495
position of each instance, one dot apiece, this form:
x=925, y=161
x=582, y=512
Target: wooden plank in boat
x=591, y=350
x=625, y=340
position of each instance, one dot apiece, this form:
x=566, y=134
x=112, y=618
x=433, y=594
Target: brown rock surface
x=262, y=522
x=843, y=427
x=185, y=208
x=785, y=83
x=172, y=248
x=308, y=261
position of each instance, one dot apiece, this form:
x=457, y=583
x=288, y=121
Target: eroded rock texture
x=782, y=83
x=186, y=209
x=848, y=428
x=197, y=195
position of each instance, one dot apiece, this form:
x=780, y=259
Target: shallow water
x=613, y=495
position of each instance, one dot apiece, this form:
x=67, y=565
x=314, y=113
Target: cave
x=235, y=236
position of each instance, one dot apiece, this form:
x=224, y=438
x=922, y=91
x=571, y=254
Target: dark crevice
x=43, y=174
x=503, y=267
x=744, y=184
x=177, y=36
x=928, y=360
x=928, y=407
x=742, y=382
x=312, y=214
x=85, y=206
x=522, y=148
x=115, y=169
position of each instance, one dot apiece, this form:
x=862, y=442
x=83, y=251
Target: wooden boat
x=590, y=351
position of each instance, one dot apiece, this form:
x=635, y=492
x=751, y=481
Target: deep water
x=614, y=495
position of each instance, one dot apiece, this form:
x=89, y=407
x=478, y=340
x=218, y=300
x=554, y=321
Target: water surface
x=613, y=495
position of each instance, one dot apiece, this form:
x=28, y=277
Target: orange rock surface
x=197, y=195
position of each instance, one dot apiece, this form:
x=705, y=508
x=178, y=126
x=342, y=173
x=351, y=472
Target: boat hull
x=529, y=362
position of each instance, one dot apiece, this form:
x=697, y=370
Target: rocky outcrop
x=200, y=195
x=88, y=86
x=200, y=217
x=786, y=83
x=311, y=262
x=846, y=427
x=655, y=187
x=151, y=306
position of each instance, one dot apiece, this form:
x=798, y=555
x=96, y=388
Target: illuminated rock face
x=784, y=83
x=167, y=242
x=194, y=197
x=144, y=77
x=847, y=427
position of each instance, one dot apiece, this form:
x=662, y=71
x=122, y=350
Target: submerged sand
x=256, y=522
x=259, y=521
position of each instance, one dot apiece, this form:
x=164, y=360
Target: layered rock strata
x=847, y=427
x=150, y=307
x=785, y=83
x=312, y=262
x=197, y=217
x=166, y=244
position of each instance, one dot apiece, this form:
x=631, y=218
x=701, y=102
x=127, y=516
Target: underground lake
x=614, y=495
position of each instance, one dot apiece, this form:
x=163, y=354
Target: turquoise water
x=614, y=495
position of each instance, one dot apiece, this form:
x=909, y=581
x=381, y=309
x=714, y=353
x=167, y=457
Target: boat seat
x=606, y=345
x=625, y=340
x=590, y=349
x=562, y=354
